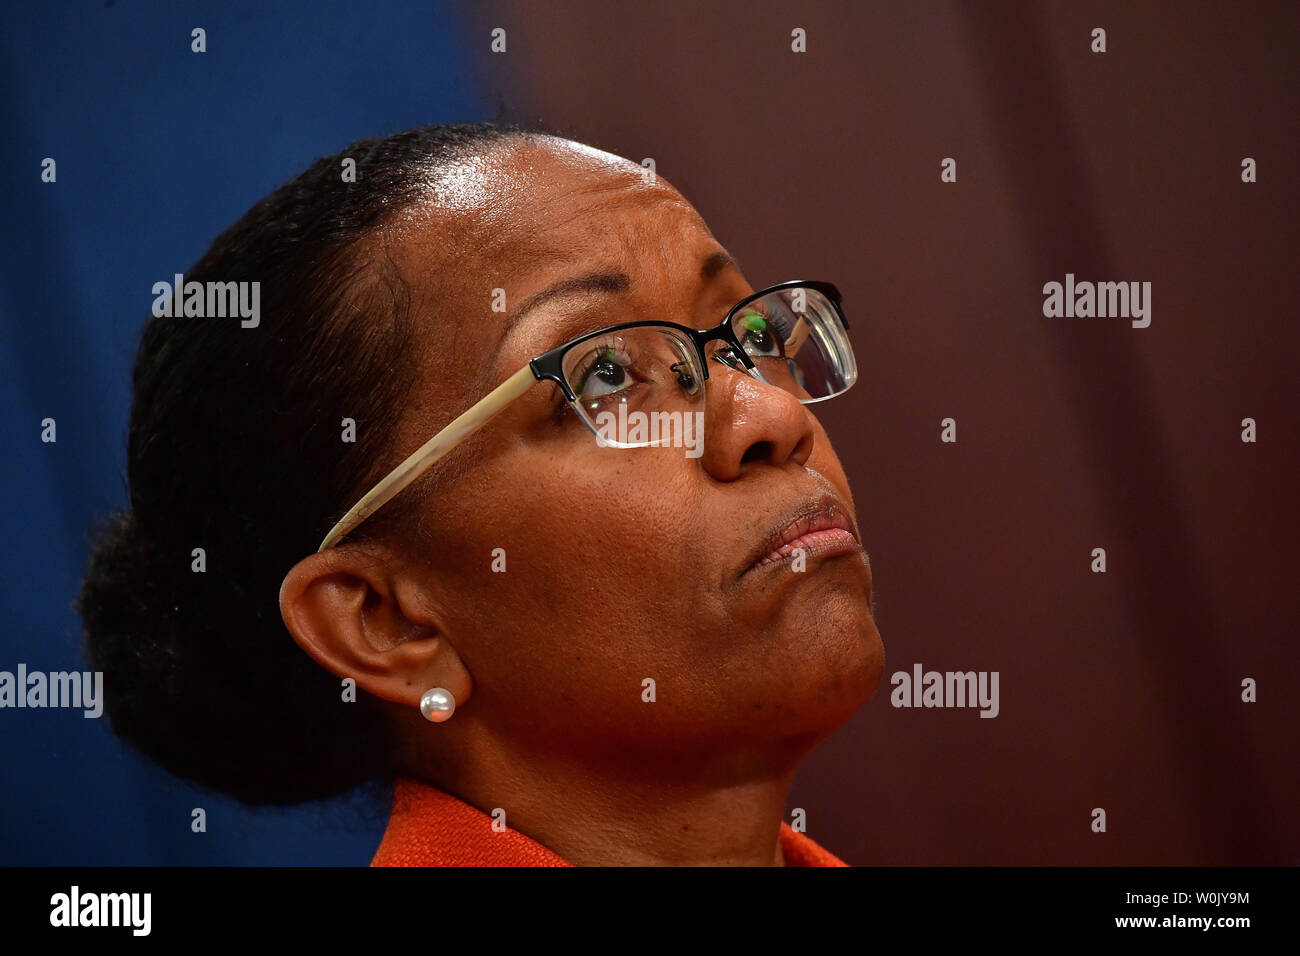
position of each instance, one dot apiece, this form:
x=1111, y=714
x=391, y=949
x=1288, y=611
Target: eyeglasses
x=793, y=336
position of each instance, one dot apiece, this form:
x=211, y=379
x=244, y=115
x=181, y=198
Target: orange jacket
x=429, y=827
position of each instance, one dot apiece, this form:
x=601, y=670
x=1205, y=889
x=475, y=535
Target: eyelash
x=561, y=403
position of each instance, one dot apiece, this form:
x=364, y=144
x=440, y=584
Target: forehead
x=528, y=210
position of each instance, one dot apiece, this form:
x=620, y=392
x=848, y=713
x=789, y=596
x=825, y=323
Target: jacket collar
x=430, y=827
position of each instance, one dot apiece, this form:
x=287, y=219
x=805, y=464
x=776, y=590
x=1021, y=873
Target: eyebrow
x=716, y=263
x=608, y=282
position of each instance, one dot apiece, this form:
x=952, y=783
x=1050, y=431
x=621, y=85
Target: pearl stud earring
x=437, y=704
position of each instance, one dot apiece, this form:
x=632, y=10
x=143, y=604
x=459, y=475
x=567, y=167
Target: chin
x=836, y=661
x=851, y=653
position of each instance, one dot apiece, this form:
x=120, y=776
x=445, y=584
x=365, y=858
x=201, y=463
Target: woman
x=600, y=621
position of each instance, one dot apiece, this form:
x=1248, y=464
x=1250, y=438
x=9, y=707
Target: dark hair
x=235, y=446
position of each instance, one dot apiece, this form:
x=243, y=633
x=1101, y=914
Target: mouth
x=818, y=528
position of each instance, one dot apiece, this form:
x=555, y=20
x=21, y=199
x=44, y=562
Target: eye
x=759, y=337
x=605, y=371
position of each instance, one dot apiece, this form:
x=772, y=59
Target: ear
x=360, y=618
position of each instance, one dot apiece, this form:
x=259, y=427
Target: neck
x=720, y=810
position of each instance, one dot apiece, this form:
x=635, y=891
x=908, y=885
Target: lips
x=819, y=528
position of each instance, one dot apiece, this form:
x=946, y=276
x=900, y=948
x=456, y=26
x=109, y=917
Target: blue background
x=158, y=149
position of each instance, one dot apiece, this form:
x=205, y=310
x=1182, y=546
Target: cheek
x=824, y=459
x=576, y=571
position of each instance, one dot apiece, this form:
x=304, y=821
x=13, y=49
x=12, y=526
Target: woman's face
x=565, y=575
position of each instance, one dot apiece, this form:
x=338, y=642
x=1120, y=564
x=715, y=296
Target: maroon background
x=1120, y=690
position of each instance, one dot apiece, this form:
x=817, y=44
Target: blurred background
x=1119, y=690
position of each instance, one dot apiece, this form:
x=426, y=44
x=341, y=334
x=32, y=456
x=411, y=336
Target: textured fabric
x=430, y=827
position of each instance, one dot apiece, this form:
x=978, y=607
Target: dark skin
x=621, y=564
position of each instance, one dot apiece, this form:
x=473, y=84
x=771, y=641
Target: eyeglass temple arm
x=435, y=448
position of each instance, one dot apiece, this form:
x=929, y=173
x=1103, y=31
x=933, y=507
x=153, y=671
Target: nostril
x=759, y=451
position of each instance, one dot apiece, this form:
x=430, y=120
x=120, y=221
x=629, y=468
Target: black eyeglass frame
x=550, y=365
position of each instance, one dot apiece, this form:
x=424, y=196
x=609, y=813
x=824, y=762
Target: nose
x=750, y=424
